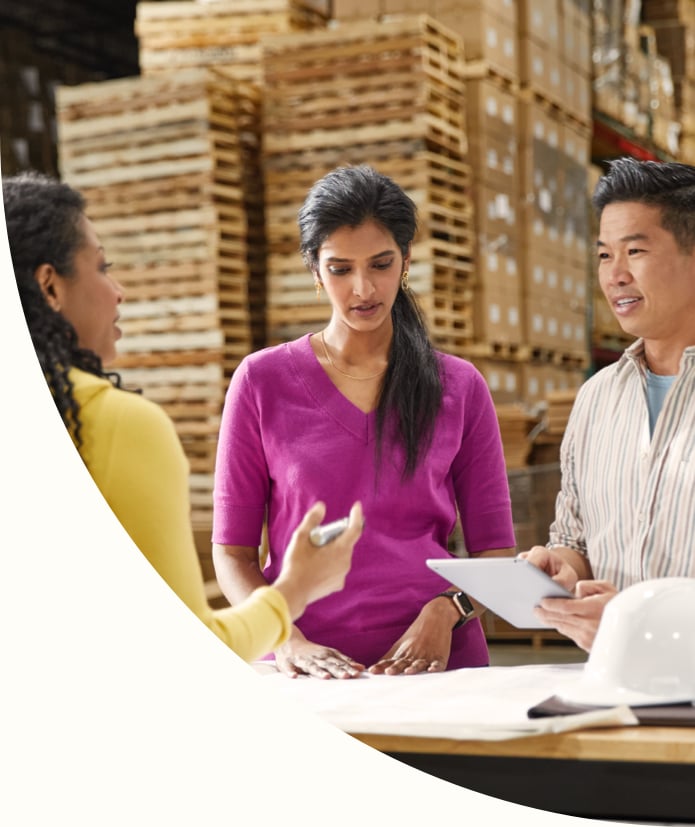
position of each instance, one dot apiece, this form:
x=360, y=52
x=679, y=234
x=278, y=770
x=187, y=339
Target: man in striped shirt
x=626, y=509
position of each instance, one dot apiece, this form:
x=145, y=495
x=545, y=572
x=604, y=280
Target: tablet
x=508, y=586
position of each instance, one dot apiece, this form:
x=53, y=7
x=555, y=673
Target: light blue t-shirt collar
x=657, y=388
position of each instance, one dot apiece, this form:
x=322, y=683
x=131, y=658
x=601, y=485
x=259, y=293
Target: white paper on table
x=487, y=703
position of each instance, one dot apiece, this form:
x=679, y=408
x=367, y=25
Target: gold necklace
x=349, y=375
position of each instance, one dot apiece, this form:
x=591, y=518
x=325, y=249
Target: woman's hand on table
x=424, y=647
x=300, y=656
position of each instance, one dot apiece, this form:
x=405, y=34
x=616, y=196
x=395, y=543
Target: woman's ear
x=406, y=258
x=48, y=281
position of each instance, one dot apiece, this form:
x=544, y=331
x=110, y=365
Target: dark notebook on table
x=667, y=715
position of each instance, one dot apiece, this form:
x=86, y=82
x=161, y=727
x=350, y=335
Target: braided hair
x=43, y=218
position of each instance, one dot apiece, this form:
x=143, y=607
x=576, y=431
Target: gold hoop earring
x=404, y=281
x=318, y=290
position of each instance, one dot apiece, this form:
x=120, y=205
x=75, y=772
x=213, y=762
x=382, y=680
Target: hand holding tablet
x=511, y=587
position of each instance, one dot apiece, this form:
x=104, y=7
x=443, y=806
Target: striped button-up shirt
x=627, y=501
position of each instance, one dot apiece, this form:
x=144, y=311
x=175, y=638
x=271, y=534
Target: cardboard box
x=536, y=383
x=550, y=278
x=541, y=322
x=575, y=280
x=577, y=93
x=541, y=69
x=494, y=160
x=491, y=107
x=538, y=128
x=497, y=316
x=540, y=163
x=503, y=378
x=498, y=269
x=487, y=38
x=496, y=221
x=539, y=222
x=540, y=20
x=575, y=193
x=505, y=10
x=492, y=122
x=552, y=326
x=575, y=36
x=542, y=274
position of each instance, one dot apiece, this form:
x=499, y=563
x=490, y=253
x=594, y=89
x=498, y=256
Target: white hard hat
x=644, y=650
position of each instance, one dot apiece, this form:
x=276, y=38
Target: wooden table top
x=643, y=744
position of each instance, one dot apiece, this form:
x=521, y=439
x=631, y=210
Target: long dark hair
x=412, y=386
x=43, y=218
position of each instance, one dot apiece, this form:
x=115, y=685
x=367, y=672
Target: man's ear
x=48, y=280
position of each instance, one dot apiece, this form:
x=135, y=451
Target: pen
x=323, y=534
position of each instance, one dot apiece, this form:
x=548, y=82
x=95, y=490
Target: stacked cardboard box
x=528, y=114
x=673, y=28
x=169, y=166
x=637, y=46
x=608, y=43
x=555, y=138
x=488, y=31
x=493, y=119
x=390, y=94
x=555, y=221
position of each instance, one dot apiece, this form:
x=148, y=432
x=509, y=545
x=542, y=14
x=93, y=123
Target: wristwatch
x=463, y=605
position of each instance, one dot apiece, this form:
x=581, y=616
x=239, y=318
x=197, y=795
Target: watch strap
x=463, y=605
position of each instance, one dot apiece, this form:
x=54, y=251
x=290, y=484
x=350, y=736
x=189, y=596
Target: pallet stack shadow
x=390, y=94
x=169, y=167
x=37, y=52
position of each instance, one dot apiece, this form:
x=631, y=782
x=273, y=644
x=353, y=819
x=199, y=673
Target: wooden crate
x=179, y=35
x=390, y=94
x=169, y=164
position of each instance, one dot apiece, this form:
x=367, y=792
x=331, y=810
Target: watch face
x=463, y=604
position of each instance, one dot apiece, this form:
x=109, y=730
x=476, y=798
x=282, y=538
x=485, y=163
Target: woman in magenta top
x=364, y=410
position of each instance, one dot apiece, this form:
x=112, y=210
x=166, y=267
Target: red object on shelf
x=621, y=143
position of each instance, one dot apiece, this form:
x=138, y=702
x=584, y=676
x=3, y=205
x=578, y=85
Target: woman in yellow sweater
x=127, y=442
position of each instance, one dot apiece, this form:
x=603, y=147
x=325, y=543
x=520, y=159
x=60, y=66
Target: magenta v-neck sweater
x=288, y=438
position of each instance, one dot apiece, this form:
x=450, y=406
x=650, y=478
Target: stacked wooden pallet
x=559, y=408
x=515, y=427
x=169, y=166
x=390, y=94
x=178, y=35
